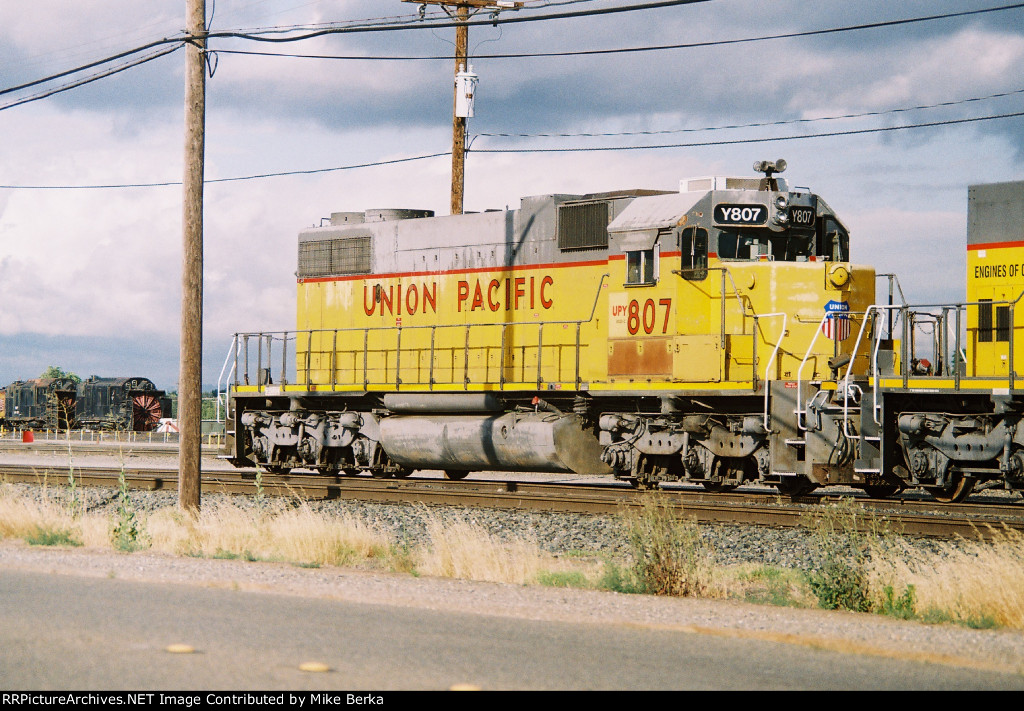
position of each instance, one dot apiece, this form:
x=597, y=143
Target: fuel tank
x=531, y=441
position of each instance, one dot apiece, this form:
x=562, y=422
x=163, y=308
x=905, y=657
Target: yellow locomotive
x=710, y=335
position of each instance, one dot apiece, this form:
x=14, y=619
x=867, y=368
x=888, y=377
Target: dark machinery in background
x=127, y=404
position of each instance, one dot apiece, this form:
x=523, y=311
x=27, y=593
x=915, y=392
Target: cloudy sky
x=90, y=278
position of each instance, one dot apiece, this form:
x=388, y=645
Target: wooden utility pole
x=459, y=122
x=190, y=388
x=462, y=14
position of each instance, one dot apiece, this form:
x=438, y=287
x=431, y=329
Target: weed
x=563, y=579
x=221, y=554
x=618, y=578
x=767, y=585
x=840, y=585
x=127, y=535
x=51, y=537
x=845, y=535
x=669, y=556
x=402, y=558
x=903, y=607
x=260, y=493
x=75, y=505
x=935, y=616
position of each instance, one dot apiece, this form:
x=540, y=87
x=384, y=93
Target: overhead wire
x=94, y=77
x=582, y=149
x=364, y=27
x=178, y=41
x=642, y=48
x=759, y=124
x=326, y=30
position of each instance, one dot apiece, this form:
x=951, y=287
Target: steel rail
x=906, y=516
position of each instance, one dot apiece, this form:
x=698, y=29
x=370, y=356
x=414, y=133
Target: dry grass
x=461, y=549
x=22, y=518
x=967, y=583
x=297, y=535
x=972, y=582
x=670, y=557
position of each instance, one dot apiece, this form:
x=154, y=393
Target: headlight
x=838, y=275
x=781, y=218
x=782, y=202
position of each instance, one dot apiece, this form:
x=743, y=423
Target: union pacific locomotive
x=715, y=335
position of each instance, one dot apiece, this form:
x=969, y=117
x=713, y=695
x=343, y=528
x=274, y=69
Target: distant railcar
x=129, y=404
x=41, y=402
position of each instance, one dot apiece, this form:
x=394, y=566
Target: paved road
x=70, y=632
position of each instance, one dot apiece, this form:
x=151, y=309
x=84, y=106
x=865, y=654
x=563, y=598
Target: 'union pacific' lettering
x=508, y=294
x=395, y=299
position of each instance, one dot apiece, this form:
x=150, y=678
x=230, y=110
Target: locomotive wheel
x=882, y=491
x=277, y=469
x=648, y=472
x=795, y=486
x=718, y=487
x=726, y=471
x=958, y=490
x=455, y=475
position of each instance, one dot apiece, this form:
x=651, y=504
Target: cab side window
x=693, y=243
x=640, y=267
x=833, y=242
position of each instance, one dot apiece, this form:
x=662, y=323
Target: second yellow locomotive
x=693, y=335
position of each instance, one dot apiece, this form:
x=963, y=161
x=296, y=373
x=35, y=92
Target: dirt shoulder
x=840, y=631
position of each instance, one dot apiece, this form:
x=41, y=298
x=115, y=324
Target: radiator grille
x=350, y=255
x=583, y=226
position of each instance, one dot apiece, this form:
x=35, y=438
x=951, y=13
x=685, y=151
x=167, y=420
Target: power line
x=736, y=141
x=95, y=77
x=330, y=30
x=256, y=36
x=259, y=36
x=230, y=180
x=579, y=149
x=764, y=124
x=91, y=65
x=327, y=30
x=625, y=50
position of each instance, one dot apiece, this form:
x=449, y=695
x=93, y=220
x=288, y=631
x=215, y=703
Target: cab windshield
x=756, y=244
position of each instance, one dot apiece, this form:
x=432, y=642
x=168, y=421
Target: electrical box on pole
x=465, y=90
x=465, y=80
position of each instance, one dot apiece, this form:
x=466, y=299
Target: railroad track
x=912, y=516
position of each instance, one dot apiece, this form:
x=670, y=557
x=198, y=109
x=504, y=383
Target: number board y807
x=735, y=214
x=800, y=216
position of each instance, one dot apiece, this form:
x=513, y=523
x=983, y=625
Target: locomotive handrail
x=853, y=357
x=222, y=378
x=771, y=361
x=800, y=410
x=904, y=310
x=286, y=336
